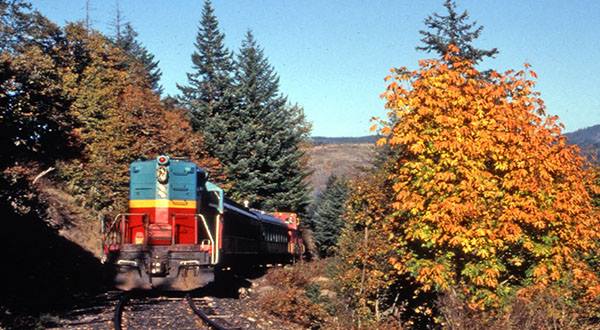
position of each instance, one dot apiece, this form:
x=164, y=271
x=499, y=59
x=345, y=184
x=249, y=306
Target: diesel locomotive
x=181, y=228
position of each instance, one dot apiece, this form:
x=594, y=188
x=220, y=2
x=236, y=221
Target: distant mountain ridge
x=585, y=136
x=588, y=139
x=345, y=156
x=319, y=140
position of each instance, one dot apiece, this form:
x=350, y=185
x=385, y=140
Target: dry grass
x=305, y=295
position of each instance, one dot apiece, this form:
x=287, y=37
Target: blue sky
x=331, y=56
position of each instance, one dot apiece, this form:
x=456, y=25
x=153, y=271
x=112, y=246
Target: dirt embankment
x=72, y=221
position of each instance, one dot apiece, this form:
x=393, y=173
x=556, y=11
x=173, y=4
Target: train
x=181, y=229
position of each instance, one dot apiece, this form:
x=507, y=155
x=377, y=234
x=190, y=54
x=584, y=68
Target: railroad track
x=123, y=299
x=205, y=312
x=207, y=318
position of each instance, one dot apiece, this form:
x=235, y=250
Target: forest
x=472, y=208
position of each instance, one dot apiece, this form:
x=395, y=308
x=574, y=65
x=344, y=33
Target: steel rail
x=123, y=299
x=204, y=316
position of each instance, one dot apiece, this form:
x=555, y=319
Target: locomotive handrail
x=217, y=230
x=118, y=220
x=213, y=249
x=210, y=237
x=174, y=227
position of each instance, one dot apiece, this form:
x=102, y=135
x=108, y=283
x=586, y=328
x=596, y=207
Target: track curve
x=125, y=297
x=204, y=316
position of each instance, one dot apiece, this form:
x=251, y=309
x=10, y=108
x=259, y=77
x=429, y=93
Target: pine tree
x=328, y=213
x=208, y=95
x=266, y=162
x=453, y=29
x=127, y=41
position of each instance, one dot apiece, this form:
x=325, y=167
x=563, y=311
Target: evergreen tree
x=266, y=159
x=208, y=95
x=328, y=213
x=127, y=41
x=453, y=29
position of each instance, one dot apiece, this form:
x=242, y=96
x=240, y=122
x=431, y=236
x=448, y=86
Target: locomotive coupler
x=157, y=267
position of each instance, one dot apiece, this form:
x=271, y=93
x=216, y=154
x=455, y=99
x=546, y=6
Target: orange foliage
x=487, y=194
x=363, y=249
x=156, y=130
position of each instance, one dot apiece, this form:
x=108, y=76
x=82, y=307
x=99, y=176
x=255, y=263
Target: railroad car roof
x=265, y=217
x=256, y=214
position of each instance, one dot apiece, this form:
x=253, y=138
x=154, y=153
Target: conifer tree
x=328, y=213
x=208, y=94
x=127, y=41
x=454, y=28
x=266, y=163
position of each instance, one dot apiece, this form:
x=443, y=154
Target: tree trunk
x=309, y=243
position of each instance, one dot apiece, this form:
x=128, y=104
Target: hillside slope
x=368, y=139
x=588, y=139
x=345, y=159
x=345, y=156
x=585, y=136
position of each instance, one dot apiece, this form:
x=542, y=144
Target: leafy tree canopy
x=487, y=194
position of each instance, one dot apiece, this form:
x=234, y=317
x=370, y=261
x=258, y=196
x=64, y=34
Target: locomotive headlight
x=162, y=160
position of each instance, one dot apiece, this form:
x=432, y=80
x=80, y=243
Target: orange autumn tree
x=488, y=196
